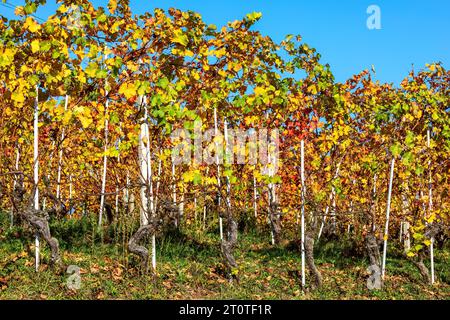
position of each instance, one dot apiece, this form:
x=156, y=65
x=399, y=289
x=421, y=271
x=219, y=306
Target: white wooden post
x=255, y=196
x=147, y=176
x=14, y=183
x=374, y=192
x=117, y=187
x=302, y=173
x=225, y=128
x=216, y=131
x=58, y=181
x=158, y=182
x=105, y=166
x=331, y=198
x=174, y=192
x=430, y=207
x=36, y=171
x=388, y=210
x=195, y=208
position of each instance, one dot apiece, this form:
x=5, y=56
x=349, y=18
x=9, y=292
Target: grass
x=190, y=267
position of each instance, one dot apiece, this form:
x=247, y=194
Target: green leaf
x=30, y=8
x=114, y=118
x=163, y=83
x=45, y=46
x=409, y=140
x=101, y=18
x=396, y=149
x=435, y=116
x=197, y=178
x=419, y=170
x=101, y=74
x=92, y=69
x=407, y=158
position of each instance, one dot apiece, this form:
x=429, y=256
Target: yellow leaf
x=32, y=25
x=179, y=37
x=62, y=9
x=259, y=91
x=85, y=121
x=112, y=6
x=188, y=176
x=188, y=53
x=220, y=53
x=128, y=90
x=18, y=97
x=35, y=46
x=81, y=77
x=237, y=67
x=19, y=11
x=222, y=73
x=312, y=89
x=67, y=117
x=6, y=57
x=195, y=75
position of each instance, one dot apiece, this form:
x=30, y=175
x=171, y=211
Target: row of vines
x=89, y=102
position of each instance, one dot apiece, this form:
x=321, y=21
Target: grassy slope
x=189, y=267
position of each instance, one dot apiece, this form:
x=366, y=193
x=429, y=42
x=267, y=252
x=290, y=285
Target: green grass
x=190, y=267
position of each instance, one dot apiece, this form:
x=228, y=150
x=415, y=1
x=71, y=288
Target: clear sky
x=413, y=31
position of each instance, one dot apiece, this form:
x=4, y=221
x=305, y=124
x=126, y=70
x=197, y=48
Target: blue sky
x=413, y=31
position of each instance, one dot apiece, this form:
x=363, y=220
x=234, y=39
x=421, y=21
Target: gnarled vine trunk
x=275, y=222
x=229, y=242
x=373, y=250
x=309, y=255
x=38, y=219
x=424, y=272
x=431, y=231
x=135, y=247
x=165, y=216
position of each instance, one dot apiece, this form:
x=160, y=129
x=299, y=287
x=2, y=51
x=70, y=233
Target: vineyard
x=158, y=156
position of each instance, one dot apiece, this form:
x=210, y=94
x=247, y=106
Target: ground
x=190, y=267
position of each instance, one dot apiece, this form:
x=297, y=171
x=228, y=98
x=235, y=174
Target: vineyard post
x=58, y=179
x=105, y=165
x=271, y=189
x=388, y=210
x=174, y=191
x=44, y=201
x=351, y=209
x=14, y=184
x=70, y=187
x=182, y=203
x=204, y=204
x=150, y=181
x=332, y=198
x=302, y=172
x=158, y=182
x=149, y=160
x=195, y=209
x=216, y=131
x=117, y=186
x=374, y=195
x=430, y=205
x=227, y=146
x=36, y=171
x=255, y=196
